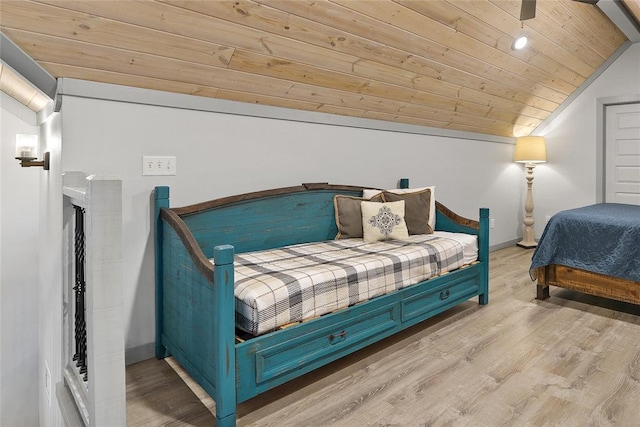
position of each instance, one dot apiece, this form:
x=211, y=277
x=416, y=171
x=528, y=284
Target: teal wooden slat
x=161, y=200
x=189, y=307
x=483, y=255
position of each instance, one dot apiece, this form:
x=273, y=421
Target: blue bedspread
x=602, y=238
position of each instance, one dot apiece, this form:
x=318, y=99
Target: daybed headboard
x=264, y=219
x=274, y=218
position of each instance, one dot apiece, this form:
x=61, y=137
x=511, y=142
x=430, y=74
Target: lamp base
x=527, y=245
x=27, y=162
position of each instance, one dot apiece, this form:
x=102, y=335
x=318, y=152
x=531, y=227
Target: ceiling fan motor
x=528, y=8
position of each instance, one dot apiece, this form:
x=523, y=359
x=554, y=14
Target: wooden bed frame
x=195, y=305
x=586, y=282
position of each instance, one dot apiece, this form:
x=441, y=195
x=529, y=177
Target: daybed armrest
x=201, y=262
x=447, y=220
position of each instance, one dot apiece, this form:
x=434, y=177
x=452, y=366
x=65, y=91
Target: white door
x=622, y=154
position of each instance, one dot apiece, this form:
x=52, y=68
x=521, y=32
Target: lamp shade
x=26, y=146
x=530, y=149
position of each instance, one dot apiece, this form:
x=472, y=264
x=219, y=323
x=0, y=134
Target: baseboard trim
x=503, y=245
x=139, y=353
x=68, y=409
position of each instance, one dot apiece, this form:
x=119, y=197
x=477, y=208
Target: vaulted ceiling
x=444, y=64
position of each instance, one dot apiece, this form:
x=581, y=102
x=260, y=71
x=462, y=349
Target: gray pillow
x=349, y=215
x=416, y=209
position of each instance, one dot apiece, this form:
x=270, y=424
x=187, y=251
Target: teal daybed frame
x=195, y=306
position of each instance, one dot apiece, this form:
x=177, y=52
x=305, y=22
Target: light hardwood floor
x=572, y=360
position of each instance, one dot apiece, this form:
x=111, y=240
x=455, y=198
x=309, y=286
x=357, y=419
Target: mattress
x=277, y=287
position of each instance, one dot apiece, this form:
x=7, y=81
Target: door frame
x=601, y=132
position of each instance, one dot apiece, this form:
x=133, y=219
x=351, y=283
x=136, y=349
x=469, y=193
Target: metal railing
x=80, y=319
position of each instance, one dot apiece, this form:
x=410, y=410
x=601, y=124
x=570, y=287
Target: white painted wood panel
x=101, y=399
x=622, y=159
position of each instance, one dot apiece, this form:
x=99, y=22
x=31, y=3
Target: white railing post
x=101, y=398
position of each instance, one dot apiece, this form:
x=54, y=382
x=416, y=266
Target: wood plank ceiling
x=444, y=64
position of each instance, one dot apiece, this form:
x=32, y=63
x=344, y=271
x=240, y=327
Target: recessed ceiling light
x=520, y=42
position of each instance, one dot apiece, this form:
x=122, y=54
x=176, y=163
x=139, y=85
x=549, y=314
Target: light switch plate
x=158, y=165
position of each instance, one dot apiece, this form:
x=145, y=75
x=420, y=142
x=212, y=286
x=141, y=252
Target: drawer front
x=438, y=297
x=328, y=342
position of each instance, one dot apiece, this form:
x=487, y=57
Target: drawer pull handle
x=444, y=294
x=338, y=337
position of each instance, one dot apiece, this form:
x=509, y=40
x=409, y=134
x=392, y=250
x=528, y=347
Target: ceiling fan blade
x=527, y=10
x=587, y=1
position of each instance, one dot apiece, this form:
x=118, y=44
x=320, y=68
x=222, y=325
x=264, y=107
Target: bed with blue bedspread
x=593, y=249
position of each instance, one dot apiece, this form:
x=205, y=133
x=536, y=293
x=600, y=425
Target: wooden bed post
x=483, y=255
x=224, y=336
x=542, y=287
x=161, y=201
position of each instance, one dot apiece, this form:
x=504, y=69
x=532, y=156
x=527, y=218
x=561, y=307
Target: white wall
x=574, y=152
x=223, y=154
x=19, y=245
x=50, y=294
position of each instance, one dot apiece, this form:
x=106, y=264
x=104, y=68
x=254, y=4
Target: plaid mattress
x=280, y=286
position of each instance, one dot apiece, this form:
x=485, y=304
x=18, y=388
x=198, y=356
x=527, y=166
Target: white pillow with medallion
x=383, y=221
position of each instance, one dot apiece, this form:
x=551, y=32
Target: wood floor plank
x=570, y=360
